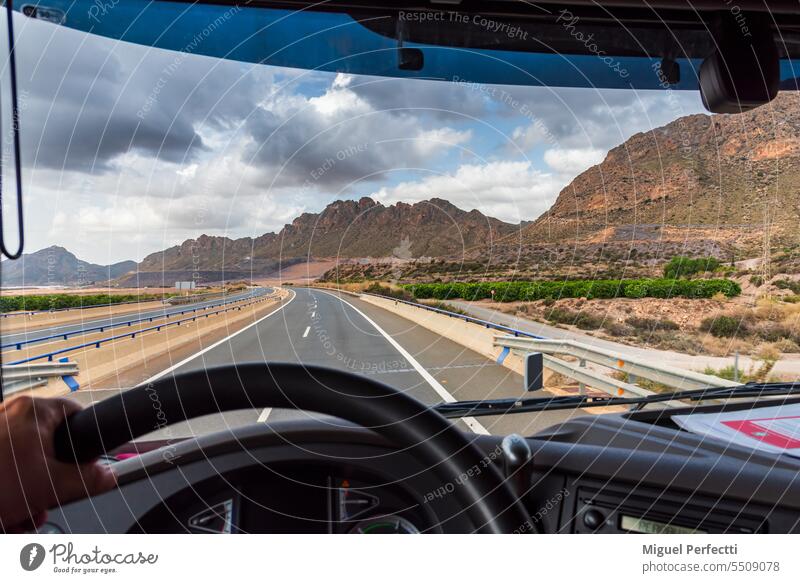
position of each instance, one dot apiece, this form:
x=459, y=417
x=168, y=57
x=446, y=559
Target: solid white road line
x=308, y=329
x=264, y=415
x=165, y=372
x=470, y=422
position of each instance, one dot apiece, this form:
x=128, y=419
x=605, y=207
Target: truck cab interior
x=375, y=459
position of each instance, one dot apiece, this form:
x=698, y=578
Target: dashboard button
x=593, y=519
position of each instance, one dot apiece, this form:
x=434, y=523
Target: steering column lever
x=516, y=455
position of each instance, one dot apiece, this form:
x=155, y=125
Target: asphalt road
x=340, y=331
x=90, y=322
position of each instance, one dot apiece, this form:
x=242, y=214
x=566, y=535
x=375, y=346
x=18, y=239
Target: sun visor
x=565, y=49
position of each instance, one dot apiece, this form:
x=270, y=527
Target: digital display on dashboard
x=634, y=524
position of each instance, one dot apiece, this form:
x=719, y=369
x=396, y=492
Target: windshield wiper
x=503, y=406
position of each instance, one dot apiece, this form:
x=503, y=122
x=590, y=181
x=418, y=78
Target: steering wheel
x=487, y=501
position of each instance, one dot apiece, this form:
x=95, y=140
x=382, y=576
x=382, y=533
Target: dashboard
x=287, y=498
x=619, y=473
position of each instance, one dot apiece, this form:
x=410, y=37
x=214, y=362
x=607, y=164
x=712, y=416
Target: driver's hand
x=31, y=479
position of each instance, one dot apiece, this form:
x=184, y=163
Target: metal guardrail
x=12, y=314
x=588, y=377
x=34, y=312
x=97, y=343
x=679, y=379
x=582, y=375
x=192, y=298
x=128, y=323
x=28, y=376
x=465, y=317
x=526, y=342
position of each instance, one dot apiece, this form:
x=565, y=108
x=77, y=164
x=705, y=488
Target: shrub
x=513, y=291
x=772, y=331
x=667, y=340
x=582, y=320
x=727, y=373
x=60, y=301
x=794, y=286
x=723, y=326
x=636, y=290
x=618, y=329
x=651, y=324
x=446, y=307
x=753, y=375
x=681, y=266
x=384, y=290
x=560, y=316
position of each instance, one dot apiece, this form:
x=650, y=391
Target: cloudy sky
x=128, y=149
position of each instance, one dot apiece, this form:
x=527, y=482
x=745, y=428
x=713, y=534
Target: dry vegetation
x=717, y=326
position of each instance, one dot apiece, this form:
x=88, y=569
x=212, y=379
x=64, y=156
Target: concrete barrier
x=97, y=365
x=50, y=319
x=469, y=335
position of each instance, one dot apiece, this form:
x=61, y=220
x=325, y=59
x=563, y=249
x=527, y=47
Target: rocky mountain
x=365, y=228
x=57, y=266
x=344, y=229
x=719, y=176
x=702, y=184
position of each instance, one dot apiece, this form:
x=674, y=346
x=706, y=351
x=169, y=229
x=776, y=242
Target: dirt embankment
x=687, y=314
x=87, y=291
x=23, y=323
x=767, y=330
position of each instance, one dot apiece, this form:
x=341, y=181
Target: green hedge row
x=59, y=301
x=687, y=266
x=604, y=289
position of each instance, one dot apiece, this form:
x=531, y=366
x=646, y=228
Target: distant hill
x=57, y=266
x=344, y=229
x=699, y=171
x=719, y=185
x=700, y=185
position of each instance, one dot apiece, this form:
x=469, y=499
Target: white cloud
x=511, y=191
x=430, y=141
x=231, y=149
x=339, y=100
x=532, y=135
x=573, y=161
x=187, y=172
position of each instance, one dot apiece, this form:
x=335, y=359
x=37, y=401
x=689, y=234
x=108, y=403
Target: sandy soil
x=686, y=313
x=86, y=291
x=298, y=274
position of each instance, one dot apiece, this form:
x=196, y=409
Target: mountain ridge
x=698, y=170
x=55, y=265
x=345, y=229
x=702, y=184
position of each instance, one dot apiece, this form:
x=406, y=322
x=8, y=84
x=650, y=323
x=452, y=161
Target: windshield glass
x=184, y=210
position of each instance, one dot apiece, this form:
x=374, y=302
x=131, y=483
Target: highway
x=341, y=331
x=161, y=311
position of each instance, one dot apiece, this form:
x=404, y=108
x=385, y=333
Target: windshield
x=477, y=236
